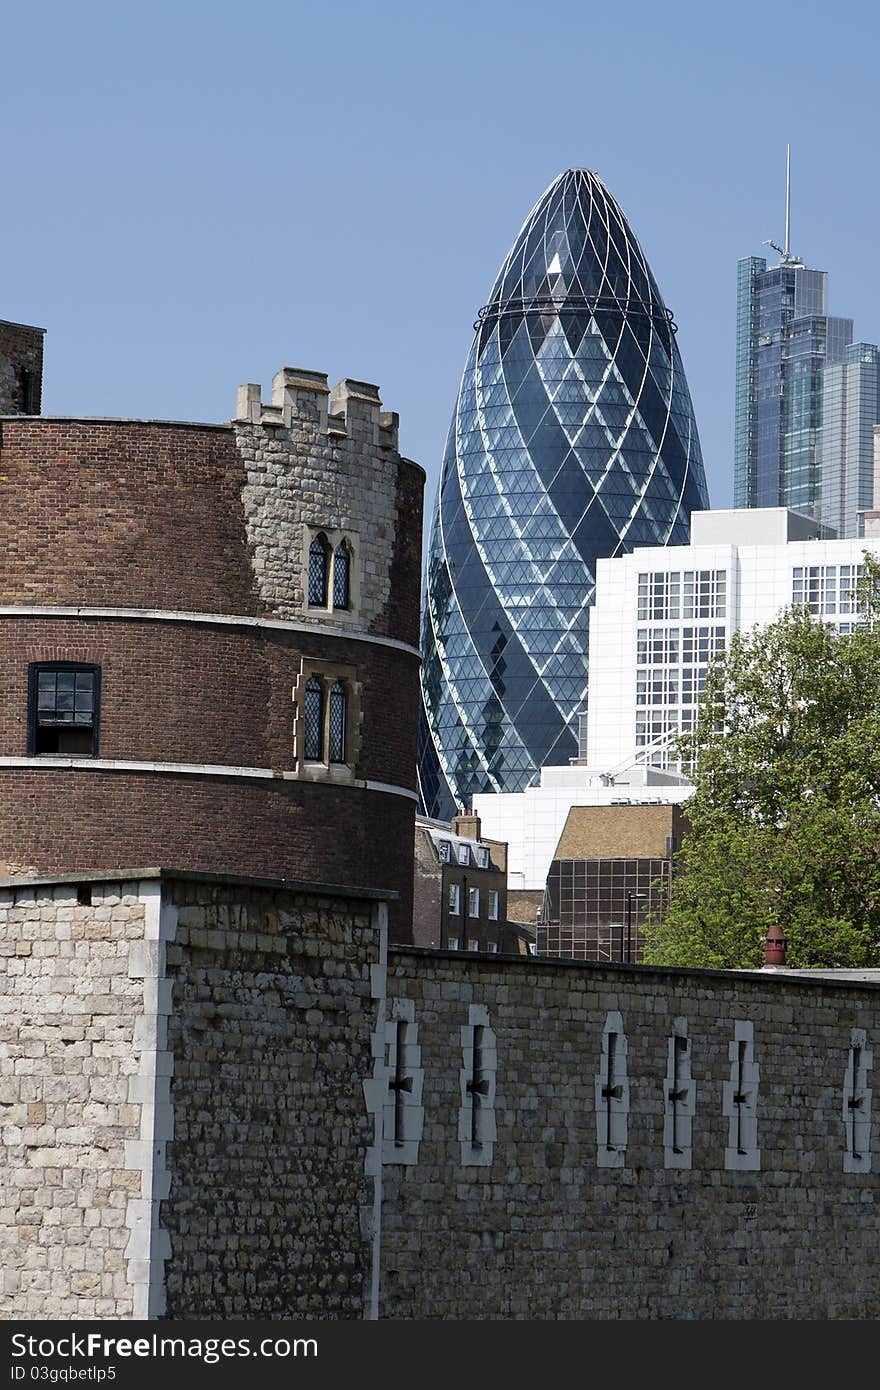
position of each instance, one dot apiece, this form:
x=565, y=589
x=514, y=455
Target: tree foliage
x=785, y=816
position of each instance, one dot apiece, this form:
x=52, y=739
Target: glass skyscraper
x=784, y=339
x=573, y=437
x=850, y=410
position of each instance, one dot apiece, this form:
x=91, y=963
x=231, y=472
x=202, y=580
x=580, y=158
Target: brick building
x=209, y=638
x=611, y=870
x=460, y=888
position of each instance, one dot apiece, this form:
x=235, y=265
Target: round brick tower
x=209, y=639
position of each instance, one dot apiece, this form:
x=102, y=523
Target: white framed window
x=473, y=944
x=452, y=943
x=740, y=1099
x=454, y=899
x=477, y=1129
x=612, y=1095
x=493, y=904
x=482, y=857
x=857, y=1104
x=444, y=851
x=403, y=1115
x=473, y=902
x=463, y=855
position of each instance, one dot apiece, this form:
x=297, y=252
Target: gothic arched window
x=338, y=706
x=313, y=741
x=319, y=565
x=341, y=571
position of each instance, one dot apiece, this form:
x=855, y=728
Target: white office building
x=660, y=615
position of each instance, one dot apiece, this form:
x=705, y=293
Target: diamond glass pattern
x=319, y=555
x=314, y=720
x=573, y=437
x=340, y=576
x=337, y=723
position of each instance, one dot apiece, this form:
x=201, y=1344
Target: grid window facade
x=671, y=667
x=689, y=594
x=826, y=590
x=587, y=902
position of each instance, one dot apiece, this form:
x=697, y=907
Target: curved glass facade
x=573, y=437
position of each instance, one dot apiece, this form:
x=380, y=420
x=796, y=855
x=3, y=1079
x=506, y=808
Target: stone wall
x=550, y=1224
x=270, y=1037
x=337, y=469
x=21, y=368
x=71, y=996
x=182, y=1122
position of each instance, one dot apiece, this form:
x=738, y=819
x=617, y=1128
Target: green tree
x=785, y=816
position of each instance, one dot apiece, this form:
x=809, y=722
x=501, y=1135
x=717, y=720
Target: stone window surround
x=329, y=673
x=679, y=1099
x=857, y=1104
x=403, y=1102
x=741, y=1101
x=477, y=1127
x=335, y=536
x=612, y=1095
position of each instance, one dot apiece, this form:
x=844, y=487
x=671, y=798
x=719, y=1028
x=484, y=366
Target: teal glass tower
x=784, y=340
x=573, y=437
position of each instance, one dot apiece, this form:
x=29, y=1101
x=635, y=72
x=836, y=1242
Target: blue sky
x=199, y=193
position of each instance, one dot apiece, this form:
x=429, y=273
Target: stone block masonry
x=21, y=368
x=182, y=1124
x=556, y=1226
x=218, y=1101
x=71, y=1000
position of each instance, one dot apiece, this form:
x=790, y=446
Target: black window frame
x=34, y=670
x=319, y=546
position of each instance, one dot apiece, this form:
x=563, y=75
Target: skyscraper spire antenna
x=785, y=250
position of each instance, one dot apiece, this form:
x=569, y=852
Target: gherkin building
x=573, y=437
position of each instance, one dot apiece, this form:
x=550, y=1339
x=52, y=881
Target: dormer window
x=443, y=852
x=463, y=857
x=63, y=709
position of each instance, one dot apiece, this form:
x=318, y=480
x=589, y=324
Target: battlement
x=298, y=395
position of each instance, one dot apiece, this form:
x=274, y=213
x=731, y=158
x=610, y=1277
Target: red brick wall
x=67, y=819
x=123, y=514
x=149, y=515
x=198, y=693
